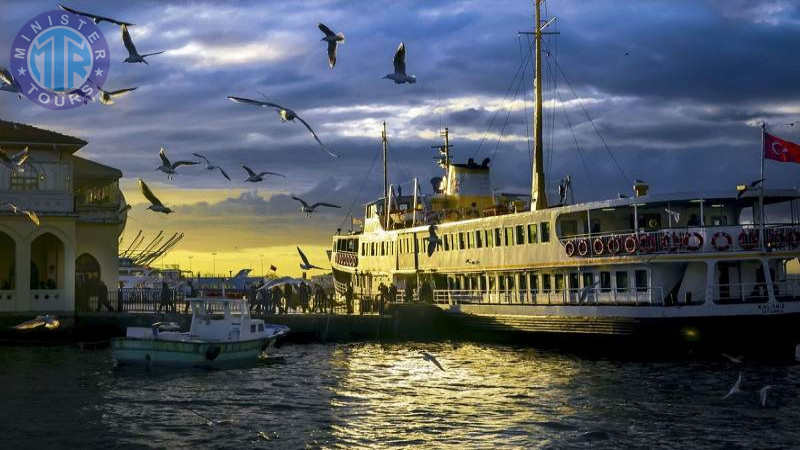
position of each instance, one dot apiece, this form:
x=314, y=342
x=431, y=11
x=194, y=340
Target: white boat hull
x=150, y=352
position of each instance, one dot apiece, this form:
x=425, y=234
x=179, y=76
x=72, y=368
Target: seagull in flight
x=210, y=166
x=94, y=17
x=48, y=321
x=735, y=360
x=430, y=358
x=170, y=168
x=14, y=162
x=742, y=188
x=107, y=97
x=433, y=240
x=256, y=177
x=133, y=55
x=287, y=115
x=333, y=40
x=736, y=387
x=399, y=75
x=31, y=214
x=762, y=394
x=9, y=83
x=305, y=265
x=155, y=203
x=312, y=209
x=675, y=215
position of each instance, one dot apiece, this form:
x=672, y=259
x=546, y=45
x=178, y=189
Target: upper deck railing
x=684, y=240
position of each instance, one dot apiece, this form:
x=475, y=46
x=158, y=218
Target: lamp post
x=214, y=262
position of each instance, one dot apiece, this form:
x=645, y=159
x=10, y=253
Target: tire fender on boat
x=213, y=352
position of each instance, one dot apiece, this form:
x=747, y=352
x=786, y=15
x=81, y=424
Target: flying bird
x=675, y=215
x=762, y=395
x=155, y=203
x=170, y=168
x=433, y=240
x=210, y=166
x=48, y=321
x=311, y=209
x=94, y=17
x=399, y=75
x=256, y=177
x=31, y=214
x=735, y=360
x=742, y=188
x=305, y=265
x=9, y=83
x=133, y=55
x=15, y=162
x=736, y=387
x=333, y=40
x=430, y=358
x=107, y=97
x=287, y=115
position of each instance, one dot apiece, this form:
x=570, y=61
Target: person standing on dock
x=382, y=298
x=164, y=298
x=303, y=294
x=392, y=293
x=274, y=306
x=287, y=297
x=348, y=298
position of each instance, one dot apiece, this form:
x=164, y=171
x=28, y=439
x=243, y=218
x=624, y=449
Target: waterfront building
x=78, y=203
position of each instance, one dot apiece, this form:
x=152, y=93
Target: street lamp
x=214, y=262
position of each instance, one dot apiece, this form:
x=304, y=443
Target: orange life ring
x=570, y=248
x=583, y=247
x=631, y=244
x=748, y=239
x=598, y=246
x=695, y=247
x=613, y=245
x=646, y=243
x=670, y=242
x=719, y=246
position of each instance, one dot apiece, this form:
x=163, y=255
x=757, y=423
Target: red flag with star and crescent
x=777, y=149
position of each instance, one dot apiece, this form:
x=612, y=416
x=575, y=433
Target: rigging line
x=575, y=138
x=610, y=153
x=510, y=108
x=491, y=122
x=554, y=85
x=525, y=106
x=360, y=188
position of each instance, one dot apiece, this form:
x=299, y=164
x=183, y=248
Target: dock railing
x=652, y=296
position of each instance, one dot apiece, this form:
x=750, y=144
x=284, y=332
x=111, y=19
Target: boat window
x=641, y=280
x=545, y=282
x=470, y=240
x=446, y=241
x=532, y=233
x=478, y=240
x=252, y=328
x=719, y=221
x=573, y=281
x=559, y=282
x=569, y=228
x=363, y=249
x=534, y=282
x=510, y=283
x=605, y=281
x=461, y=241
x=545, y=231
x=498, y=237
x=622, y=281
x=588, y=280
x=509, y=236
x=383, y=248
x=520, y=234
x=502, y=279
x=261, y=327
x=489, y=238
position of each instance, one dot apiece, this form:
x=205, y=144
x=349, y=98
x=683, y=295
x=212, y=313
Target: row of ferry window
x=464, y=240
x=545, y=282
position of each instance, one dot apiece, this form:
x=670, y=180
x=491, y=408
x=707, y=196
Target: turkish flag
x=779, y=150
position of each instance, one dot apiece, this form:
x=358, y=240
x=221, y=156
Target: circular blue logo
x=60, y=60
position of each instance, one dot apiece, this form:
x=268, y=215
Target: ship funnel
x=640, y=188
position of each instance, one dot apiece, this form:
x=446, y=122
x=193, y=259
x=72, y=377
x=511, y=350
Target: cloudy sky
x=675, y=88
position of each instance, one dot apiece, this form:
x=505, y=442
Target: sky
x=671, y=92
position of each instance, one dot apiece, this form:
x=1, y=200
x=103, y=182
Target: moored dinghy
x=221, y=332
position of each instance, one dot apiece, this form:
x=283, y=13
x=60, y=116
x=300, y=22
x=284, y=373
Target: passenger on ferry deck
x=348, y=298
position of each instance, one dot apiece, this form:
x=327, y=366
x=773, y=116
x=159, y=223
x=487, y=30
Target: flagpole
x=763, y=185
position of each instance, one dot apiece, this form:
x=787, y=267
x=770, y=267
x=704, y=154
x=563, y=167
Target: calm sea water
x=383, y=395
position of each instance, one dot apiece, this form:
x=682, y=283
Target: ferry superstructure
x=684, y=264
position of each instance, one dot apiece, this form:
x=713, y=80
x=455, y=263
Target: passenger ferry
x=693, y=266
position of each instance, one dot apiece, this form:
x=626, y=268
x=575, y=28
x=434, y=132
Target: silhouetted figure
x=392, y=293
x=408, y=294
x=164, y=298
x=348, y=298
x=287, y=297
x=275, y=305
x=693, y=221
x=303, y=295
x=383, y=295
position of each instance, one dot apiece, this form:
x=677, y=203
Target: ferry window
x=719, y=221
x=569, y=228
x=24, y=181
x=510, y=283
x=545, y=231
x=545, y=282
x=446, y=241
x=509, y=235
x=482, y=283
x=363, y=249
x=641, y=280
x=461, y=241
x=534, y=282
x=498, y=237
x=252, y=328
x=492, y=282
x=605, y=281
x=383, y=248
x=261, y=327
x=588, y=280
x=470, y=240
x=520, y=234
x=502, y=283
x=573, y=281
x=478, y=240
x=372, y=249
x=559, y=282
x=489, y=238
x=622, y=281
x=531, y=233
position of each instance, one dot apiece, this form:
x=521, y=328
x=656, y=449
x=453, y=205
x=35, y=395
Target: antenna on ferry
x=385, y=162
x=444, y=150
x=538, y=185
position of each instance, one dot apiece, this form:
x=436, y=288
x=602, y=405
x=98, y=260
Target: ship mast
x=385, y=165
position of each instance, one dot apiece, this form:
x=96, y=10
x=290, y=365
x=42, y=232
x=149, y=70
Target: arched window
x=8, y=254
x=47, y=262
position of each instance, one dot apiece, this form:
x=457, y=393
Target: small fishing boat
x=221, y=332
